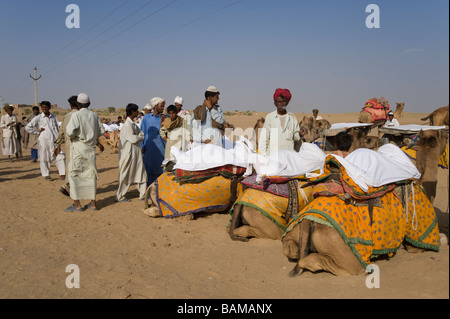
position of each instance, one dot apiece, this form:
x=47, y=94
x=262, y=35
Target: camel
x=377, y=116
x=311, y=129
x=258, y=125
x=250, y=221
x=430, y=146
x=361, y=138
x=325, y=235
x=247, y=222
x=438, y=117
x=187, y=193
x=319, y=247
x=399, y=110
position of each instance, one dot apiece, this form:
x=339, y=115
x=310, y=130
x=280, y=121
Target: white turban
x=148, y=106
x=156, y=100
x=179, y=100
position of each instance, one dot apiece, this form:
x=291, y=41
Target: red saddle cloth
x=376, y=109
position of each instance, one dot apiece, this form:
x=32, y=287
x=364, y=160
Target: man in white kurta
x=281, y=129
x=46, y=126
x=63, y=139
x=131, y=164
x=10, y=143
x=83, y=129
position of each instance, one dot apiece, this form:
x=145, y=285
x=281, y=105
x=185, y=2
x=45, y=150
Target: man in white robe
x=281, y=129
x=10, y=143
x=83, y=129
x=131, y=163
x=46, y=126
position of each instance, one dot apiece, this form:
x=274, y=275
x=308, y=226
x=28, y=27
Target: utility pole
x=35, y=78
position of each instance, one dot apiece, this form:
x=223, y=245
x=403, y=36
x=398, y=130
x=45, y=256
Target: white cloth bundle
x=377, y=168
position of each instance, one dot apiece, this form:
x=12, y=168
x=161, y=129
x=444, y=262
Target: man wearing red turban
x=283, y=93
x=281, y=129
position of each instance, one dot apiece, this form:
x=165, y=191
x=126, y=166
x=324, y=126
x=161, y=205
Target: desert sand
x=122, y=253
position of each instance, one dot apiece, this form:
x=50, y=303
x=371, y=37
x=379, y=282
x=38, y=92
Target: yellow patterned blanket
x=345, y=207
x=273, y=206
x=175, y=199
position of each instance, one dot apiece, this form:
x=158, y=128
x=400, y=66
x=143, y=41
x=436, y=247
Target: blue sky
x=321, y=50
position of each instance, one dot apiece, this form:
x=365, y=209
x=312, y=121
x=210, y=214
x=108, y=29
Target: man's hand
x=208, y=104
x=57, y=151
x=101, y=147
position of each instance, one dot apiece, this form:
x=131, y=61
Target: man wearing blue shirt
x=153, y=146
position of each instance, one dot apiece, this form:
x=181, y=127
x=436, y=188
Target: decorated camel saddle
x=377, y=108
x=371, y=199
x=203, y=179
x=275, y=190
x=203, y=191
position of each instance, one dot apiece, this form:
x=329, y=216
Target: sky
x=129, y=51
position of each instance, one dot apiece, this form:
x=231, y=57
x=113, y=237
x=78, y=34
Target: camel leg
x=306, y=228
x=257, y=225
x=150, y=202
x=333, y=254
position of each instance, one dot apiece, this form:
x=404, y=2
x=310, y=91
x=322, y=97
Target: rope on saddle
x=292, y=209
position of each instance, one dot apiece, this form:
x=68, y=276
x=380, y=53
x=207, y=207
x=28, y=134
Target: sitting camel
x=344, y=228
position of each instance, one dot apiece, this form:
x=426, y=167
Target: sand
x=122, y=253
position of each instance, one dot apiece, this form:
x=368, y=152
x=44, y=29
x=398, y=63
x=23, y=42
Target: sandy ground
x=122, y=253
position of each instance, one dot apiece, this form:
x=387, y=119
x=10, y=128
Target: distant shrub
x=111, y=109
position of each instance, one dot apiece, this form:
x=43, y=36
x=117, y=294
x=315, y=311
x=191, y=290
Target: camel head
x=311, y=129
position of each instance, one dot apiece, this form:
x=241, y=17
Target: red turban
x=284, y=92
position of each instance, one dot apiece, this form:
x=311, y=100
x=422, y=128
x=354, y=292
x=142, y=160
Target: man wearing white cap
x=83, y=129
x=208, y=123
x=153, y=146
x=391, y=122
x=184, y=114
x=148, y=108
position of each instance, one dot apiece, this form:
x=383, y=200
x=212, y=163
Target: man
x=153, y=146
x=83, y=130
x=174, y=131
x=186, y=115
x=46, y=126
x=208, y=121
x=148, y=108
x=131, y=165
x=281, y=128
x=33, y=138
x=183, y=113
x=316, y=114
x=10, y=142
x=62, y=138
x=391, y=122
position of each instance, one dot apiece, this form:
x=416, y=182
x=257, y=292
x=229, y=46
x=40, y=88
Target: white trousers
x=123, y=189
x=59, y=161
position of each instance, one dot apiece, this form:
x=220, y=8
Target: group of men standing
x=145, y=146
